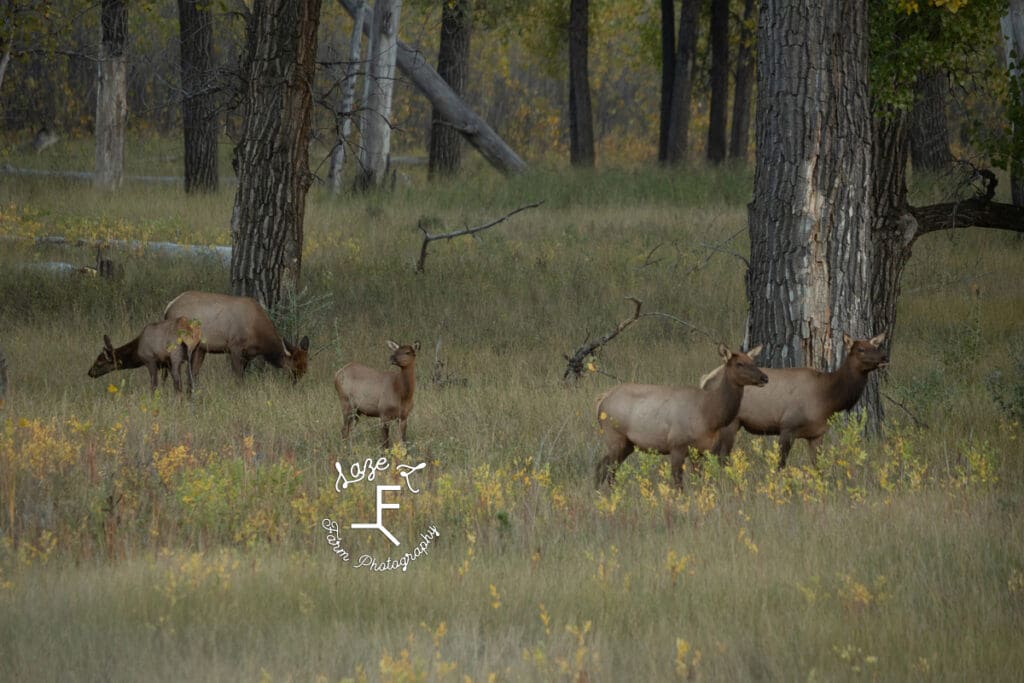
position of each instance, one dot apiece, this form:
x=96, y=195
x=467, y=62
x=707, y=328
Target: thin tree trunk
x=739, y=141
x=376, y=137
x=348, y=99
x=929, y=133
x=1012, y=25
x=460, y=117
x=453, y=66
x=682, y=81
x=273, y=153
x=668, y=65
x=111, y=95
x=719, y=109
x=581, y=120
x=6, y=58
x=810, y=218
x=198, y=111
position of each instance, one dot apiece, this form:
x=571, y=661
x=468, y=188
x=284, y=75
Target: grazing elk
x=798, y=402
x=240, y=327
x=673, y=419
x=377, y=393
x=165, y=344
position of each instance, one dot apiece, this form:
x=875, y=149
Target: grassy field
x=154, y=538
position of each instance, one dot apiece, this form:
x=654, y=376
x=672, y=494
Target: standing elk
x=239, y=326
x=673, y=419
x=376, y=393
x=165, y=344
x=798, y=402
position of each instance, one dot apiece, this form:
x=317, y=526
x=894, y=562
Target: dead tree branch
x=428, y=238
x=575, y=362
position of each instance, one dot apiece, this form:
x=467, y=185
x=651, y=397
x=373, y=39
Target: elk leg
x=618, y=450
x=813, y=445
x=401, y=429
x=238, y=363
x=724, y=443
x=677, y=459
x=176, y=375
x=384, y=432
x=785, y=445
x=198, y=356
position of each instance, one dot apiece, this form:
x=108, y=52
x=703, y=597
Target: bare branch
x=575, y=365
x=428, y=238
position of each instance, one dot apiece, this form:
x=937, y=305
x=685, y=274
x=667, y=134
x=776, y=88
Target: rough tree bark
x=739, y=140
x=453, y=66
x=682, y=81
x=272, y=154
x=460, y=117
x=198, y=109
x=719, y=81
x=929, y=133
x=111, y=95
x=808, y=281
x=581, y=119
x=376, y=134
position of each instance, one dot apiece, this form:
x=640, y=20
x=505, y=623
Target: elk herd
x=792, y=403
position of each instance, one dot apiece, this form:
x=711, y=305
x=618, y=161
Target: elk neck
x=721, y=399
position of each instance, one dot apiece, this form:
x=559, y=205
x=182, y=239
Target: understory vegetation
x=154, y=537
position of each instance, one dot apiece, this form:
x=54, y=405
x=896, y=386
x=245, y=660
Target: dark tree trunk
x=198, y=109
x=929, y=133
x=719, y=81
x=272, y=155
x=810, y=218
x=111, y=95
x=668, y=66
x=739, y=141
x=682, y=81
x=581, y=120
x=453, y=67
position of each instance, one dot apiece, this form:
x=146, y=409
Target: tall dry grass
x=153, y=537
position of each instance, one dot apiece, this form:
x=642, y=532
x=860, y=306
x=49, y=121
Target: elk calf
x=377, y=393
x=673, y=419
x=239, y=326
x=166, y=344
x=798, y=402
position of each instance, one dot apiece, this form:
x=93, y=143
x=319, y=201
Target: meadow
x=157, y=538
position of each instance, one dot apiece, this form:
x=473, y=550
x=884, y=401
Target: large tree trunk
x=1013, y=40
x=460, y=117
x=198, y=111
x=111, y=95
x=739, y=141
x=809, y=222
x=682, y=81
x=581, y=119
x=348, y=99
x=929, y=133
x=453, y=66
x=719, y=80
x=376, y=134
x=273, y=154
x=668, y=66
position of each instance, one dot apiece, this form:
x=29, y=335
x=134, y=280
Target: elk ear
x=304, y=343
x=106, y=344
x=416, y=345
x=392, y=345
x=847, y=341
x=877, y=341
x=724, y=352
x=756, y=351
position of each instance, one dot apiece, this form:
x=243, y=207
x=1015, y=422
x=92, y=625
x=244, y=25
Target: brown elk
x=673, y=419
x=165, y=344
x=798, y=402
x=377, y=393
x=240, y=327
